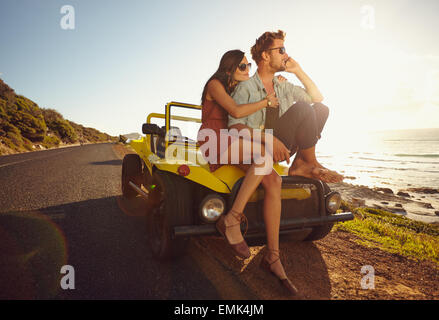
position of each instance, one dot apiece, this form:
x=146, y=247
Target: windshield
x=186, y=128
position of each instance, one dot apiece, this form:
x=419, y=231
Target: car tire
x=170, y=205
x=131, y=171
x=322, y=231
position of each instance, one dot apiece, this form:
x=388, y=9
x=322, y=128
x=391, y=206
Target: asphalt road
x=64, y=207
x=61, y=207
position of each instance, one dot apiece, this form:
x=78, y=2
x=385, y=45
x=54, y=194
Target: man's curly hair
x=264, y=42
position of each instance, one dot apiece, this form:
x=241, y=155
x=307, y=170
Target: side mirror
x=152, y=128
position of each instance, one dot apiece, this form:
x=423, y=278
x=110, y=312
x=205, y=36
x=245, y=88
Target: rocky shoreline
x=421, y=204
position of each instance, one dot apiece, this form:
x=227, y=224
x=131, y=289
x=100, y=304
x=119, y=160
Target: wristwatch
x=268, y=102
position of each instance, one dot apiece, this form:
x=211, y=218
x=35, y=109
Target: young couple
x=231, y=99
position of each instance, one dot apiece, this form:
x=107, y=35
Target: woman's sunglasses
x=281, y=49
x=244, y=66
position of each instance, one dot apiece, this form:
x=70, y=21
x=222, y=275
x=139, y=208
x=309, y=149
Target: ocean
x=396, y=159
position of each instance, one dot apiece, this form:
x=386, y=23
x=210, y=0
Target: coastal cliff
x=24, y=126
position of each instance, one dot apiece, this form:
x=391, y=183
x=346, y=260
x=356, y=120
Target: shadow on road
x=304, y=265
x=302, y=261
x=107, y=249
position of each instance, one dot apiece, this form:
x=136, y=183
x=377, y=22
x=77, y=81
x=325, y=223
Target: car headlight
x=333, y=202
x=212, y=207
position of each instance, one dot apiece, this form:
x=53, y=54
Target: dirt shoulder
x=330, y=268
x=396, y=277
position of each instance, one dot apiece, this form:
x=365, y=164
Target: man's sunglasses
x=244, y=66
x=281, y=49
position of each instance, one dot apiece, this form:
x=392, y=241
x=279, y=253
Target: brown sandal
x=241, y=248
x=286, y=283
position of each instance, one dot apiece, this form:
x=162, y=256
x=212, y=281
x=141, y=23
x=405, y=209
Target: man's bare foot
x=308, y=170
x=332, y=176
x=319, y=165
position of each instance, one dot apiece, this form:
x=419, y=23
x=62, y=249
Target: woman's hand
x=273, y=99
x=281, y=78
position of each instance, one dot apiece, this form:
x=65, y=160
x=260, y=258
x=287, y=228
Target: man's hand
x=292, y=66
x=279, y=151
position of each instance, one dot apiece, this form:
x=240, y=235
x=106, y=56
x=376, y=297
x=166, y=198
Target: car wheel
x=170, y=205
x=131, y=171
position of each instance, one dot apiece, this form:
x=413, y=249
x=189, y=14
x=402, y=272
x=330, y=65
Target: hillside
x=24, y=126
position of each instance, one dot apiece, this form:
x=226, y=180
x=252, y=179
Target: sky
x=376, y=62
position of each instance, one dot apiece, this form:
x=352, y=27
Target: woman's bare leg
x=251, y=181
x=272, y=184
x=272, y=213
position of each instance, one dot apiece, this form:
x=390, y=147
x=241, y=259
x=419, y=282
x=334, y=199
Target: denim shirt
x=253, y=90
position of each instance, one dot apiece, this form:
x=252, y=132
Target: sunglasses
x=282, y=50
x=244, y=66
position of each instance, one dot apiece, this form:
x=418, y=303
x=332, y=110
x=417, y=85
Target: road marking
x=16, y=162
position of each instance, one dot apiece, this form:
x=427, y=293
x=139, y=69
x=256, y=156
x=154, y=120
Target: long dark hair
x=227, y=67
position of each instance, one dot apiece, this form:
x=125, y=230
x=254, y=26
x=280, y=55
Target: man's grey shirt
x=253, y=90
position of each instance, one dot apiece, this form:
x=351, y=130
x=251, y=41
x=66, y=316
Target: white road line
x=16, y=162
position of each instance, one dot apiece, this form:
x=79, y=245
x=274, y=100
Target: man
x=295, y=123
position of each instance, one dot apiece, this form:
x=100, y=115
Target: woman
x=217, y=104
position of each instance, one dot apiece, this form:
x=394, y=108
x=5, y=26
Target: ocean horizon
x=396, y=159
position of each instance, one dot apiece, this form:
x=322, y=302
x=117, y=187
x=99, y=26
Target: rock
x=424, y=190
x=384, y=202
x=403, y=194
x=397, y=210
x=385, y=190
x=398, y=205
x=358, y=202
x=436, y=213
x=427, y=205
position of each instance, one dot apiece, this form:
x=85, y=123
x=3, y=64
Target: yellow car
x=185, y=199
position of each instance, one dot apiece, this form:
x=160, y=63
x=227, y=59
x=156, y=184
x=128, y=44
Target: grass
x=393, y=233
